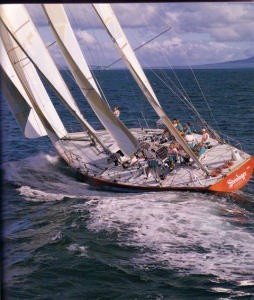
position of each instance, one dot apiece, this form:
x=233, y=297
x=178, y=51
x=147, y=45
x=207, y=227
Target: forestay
x=75, y=59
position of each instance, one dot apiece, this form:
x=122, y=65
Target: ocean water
x=64, y=240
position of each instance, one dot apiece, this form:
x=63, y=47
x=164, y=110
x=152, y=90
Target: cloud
x=137, y=14
x=201, y=32
x=85, y=36
x=215, y=18
x=207, y=18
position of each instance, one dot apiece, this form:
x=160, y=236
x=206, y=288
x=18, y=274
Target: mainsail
x=75, y=59
x=19, y=24
x=113, y=27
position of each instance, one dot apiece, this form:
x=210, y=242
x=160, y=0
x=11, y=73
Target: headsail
x=18, y=22
x=69, y=45
x=18, y=100
x=25, y=79
x=118, y=37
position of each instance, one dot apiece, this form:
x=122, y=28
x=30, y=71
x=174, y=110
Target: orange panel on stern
x=236, y=179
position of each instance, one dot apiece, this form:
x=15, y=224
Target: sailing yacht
x=117, y=157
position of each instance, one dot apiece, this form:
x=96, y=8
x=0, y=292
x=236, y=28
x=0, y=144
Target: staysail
x=75, y=59
x=28, y=89
x=18, y=22
x=113, y=27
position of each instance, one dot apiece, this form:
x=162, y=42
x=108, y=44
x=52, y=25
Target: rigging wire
x=184, y=98
x=140, y=46
x=204, y=97
x=181, y=93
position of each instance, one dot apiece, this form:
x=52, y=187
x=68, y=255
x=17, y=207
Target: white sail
x=114, y=29
x=31, y=92
x=18, y=22
x=18, y=100
x=77, y=64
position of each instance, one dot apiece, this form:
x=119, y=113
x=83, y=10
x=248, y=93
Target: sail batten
x=75, y=59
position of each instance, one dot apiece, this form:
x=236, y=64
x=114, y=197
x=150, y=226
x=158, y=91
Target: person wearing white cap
x=205, y=136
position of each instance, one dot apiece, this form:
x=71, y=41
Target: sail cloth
x=23, y=86
x=20, y=25
x=114, y=29
x=75, y=59
x=18, y=100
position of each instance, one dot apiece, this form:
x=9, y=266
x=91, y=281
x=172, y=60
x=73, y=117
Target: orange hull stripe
x=236, y=179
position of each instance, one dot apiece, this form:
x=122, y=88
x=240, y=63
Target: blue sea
x=63, y=239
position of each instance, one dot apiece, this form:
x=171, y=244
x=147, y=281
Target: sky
x=200, y=33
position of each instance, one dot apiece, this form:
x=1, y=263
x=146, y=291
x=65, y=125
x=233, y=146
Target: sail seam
x=125, y=44
x=20, y=27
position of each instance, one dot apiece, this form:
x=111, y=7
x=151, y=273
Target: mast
x=75, y=59
x=17, y=21
x=113, y=27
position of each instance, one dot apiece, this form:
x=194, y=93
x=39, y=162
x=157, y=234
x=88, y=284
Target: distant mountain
x=233, y=64
x=242, y=63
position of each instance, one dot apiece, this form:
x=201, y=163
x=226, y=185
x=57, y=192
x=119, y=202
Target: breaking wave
x=43, y=177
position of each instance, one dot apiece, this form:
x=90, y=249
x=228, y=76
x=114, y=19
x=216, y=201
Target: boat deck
x=92, y=161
